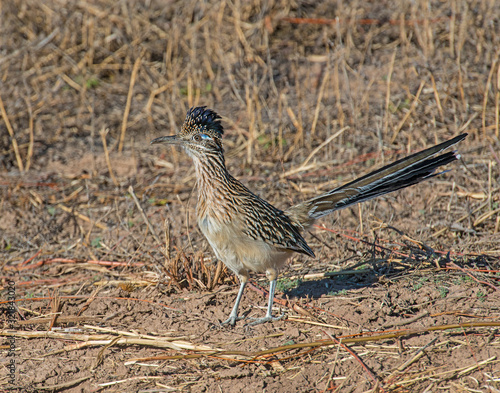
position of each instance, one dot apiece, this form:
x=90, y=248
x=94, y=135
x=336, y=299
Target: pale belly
x=239, y=252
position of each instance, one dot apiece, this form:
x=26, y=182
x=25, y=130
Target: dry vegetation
x=404, y=292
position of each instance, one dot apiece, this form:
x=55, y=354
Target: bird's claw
x=232, y=320
x=267, y=318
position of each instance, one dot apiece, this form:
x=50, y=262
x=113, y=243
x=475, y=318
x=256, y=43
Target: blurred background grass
x=70, y=68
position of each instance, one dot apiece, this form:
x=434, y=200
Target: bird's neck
x=213, y=180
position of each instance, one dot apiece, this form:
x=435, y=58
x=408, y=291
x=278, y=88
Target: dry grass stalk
x=143, y=214
x=408, y=113
x=11, y=133
x=82, y=216
x=388, y=94
x=319, y=99
x=487, y=92
x=60, y=319
x=103, y=133
x=133, y=77
x=497, y=104
x=436, y=97
x=64, y=385
x=445, y=374
x=139, y=378
x=91, y=340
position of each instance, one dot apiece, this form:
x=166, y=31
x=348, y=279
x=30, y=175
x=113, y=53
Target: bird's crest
x=200, y=119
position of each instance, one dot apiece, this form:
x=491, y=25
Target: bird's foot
x=267, y=318
x=232, y=320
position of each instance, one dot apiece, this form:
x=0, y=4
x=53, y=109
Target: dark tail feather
x=400, y=174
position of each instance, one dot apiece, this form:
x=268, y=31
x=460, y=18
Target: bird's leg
x=272, y=275
x=233, y=317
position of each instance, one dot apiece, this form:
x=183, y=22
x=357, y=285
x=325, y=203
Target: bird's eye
x=200, y=137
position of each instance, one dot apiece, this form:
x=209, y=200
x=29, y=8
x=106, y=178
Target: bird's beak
x=171, y=140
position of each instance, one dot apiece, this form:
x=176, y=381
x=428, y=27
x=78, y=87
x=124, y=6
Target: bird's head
x=200, y=134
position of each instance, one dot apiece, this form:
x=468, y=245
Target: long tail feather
x=400, y=174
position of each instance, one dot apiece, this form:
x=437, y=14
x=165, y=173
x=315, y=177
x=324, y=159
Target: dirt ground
x=109, y=286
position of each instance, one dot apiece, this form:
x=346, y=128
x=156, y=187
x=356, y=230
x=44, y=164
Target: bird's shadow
x=338, y=284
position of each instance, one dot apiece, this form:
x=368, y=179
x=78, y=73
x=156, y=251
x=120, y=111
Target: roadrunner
x=249, y=234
